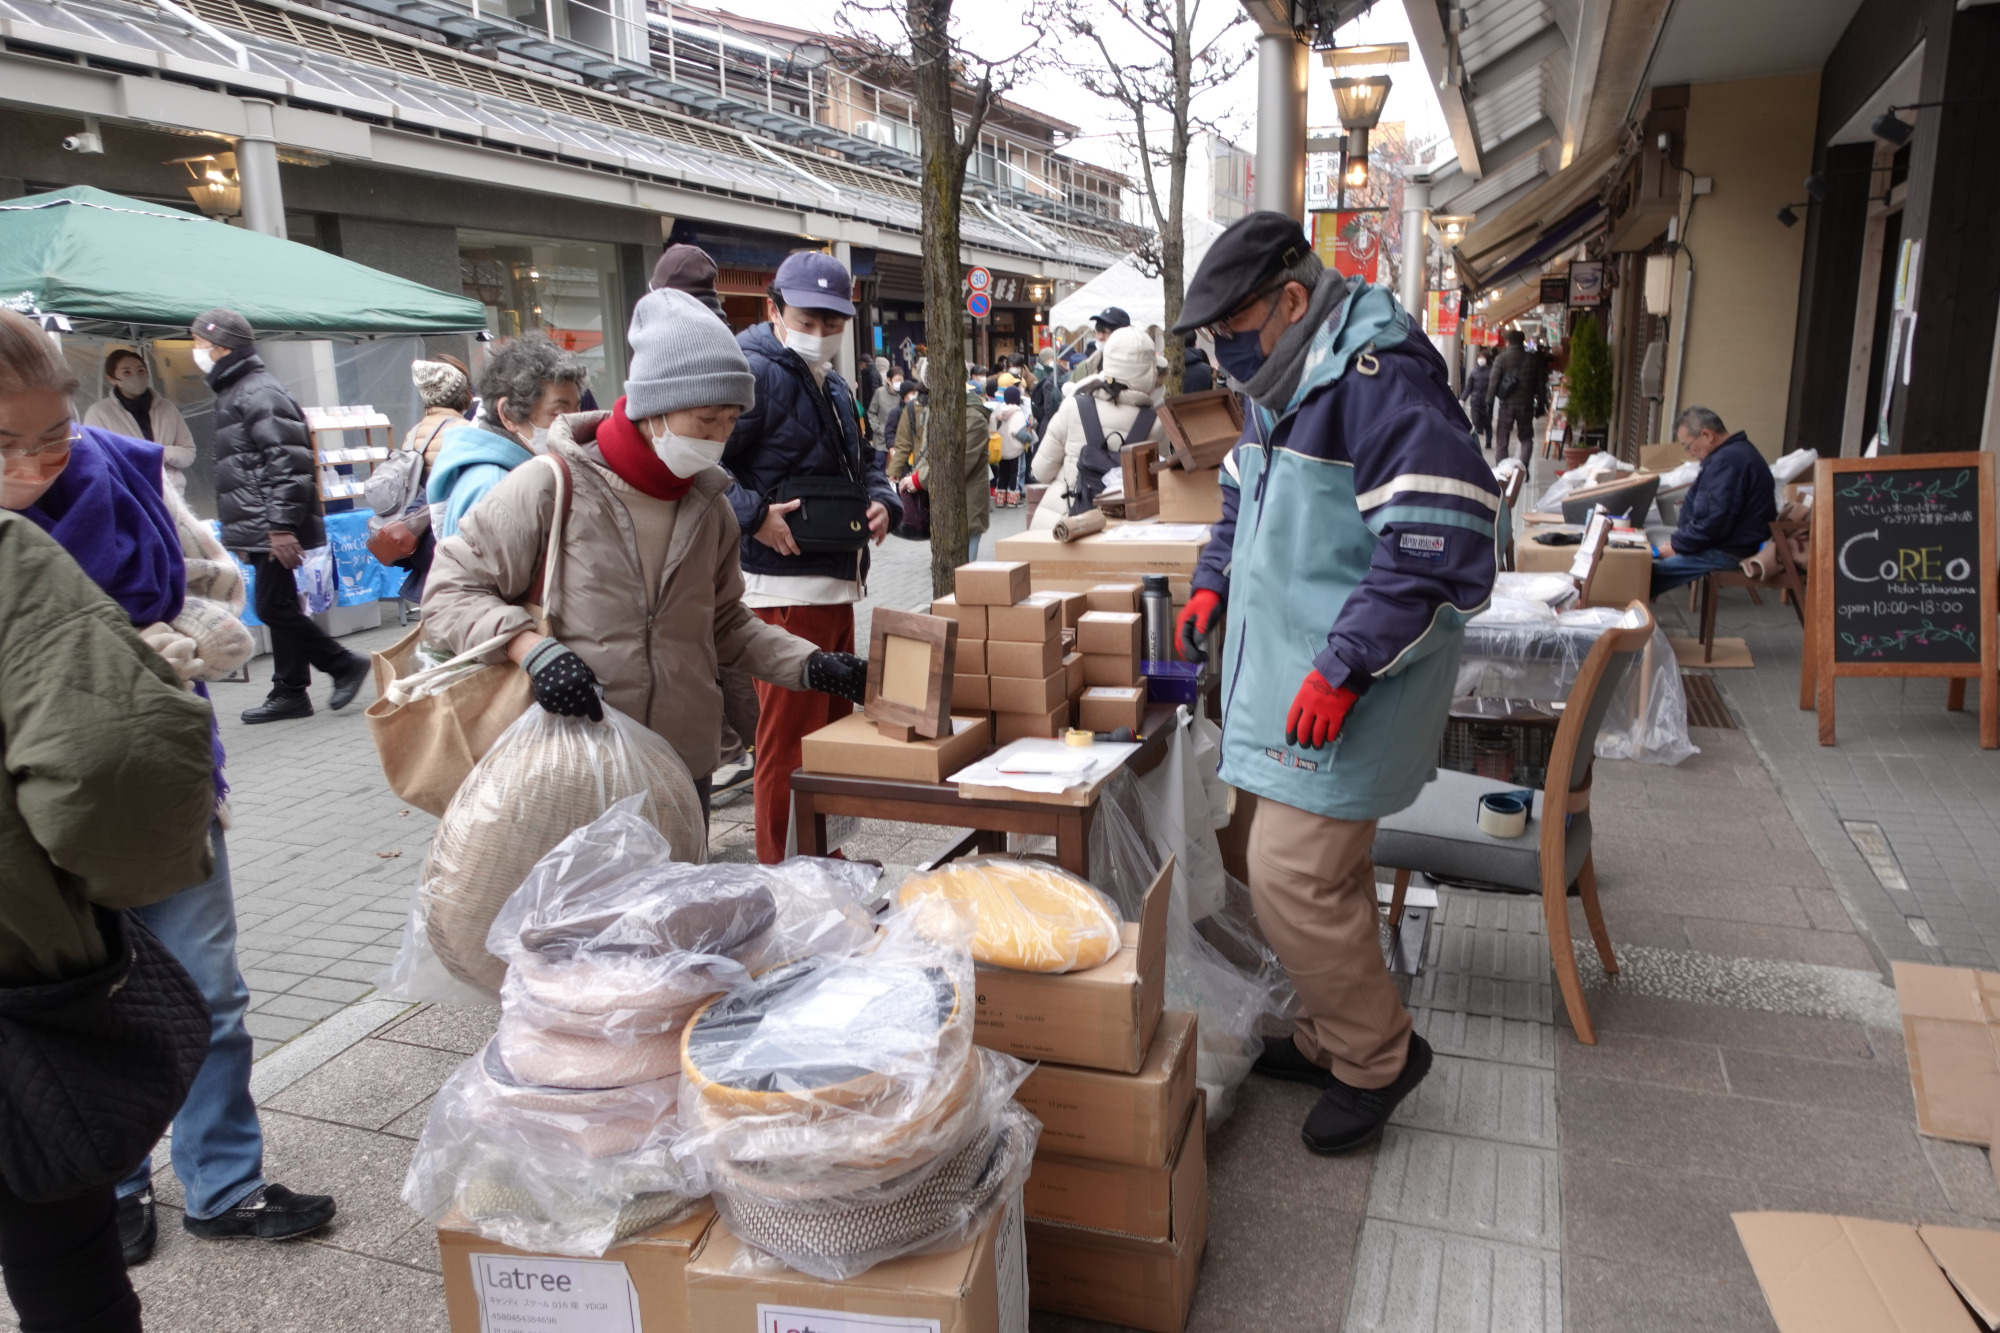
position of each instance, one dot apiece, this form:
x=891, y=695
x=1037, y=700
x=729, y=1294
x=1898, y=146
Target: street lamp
x=1452, y=227
x=216, y=192
x=1360, y=102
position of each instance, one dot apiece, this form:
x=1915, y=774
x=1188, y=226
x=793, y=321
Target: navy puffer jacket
x=1731, y=504
x=266, y=477
x=795, y=430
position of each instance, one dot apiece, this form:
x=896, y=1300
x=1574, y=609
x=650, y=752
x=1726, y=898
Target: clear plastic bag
x=544, y=1170
x=546, y=777
x=1029, y=917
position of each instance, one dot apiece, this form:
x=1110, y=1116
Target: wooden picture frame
x=911, y=659
x=1201, y=429
x=1822, y=588
x=1137, y=464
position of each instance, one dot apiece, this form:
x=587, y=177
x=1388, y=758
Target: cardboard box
x=969, y=694
x=1129, y=1118
x=1147, y=1202
x=1825, y=1274
x=971, y=619
x=1109, y=707
x=1662, y=457
x=1113, y=597
x=981, y=1287
x=1112, y=669
x=1120, y=554
x=1146, y=1284
x=990, y=582
x=1103, y=1017
x=1074, y=605
x=971, y=658
x=1971, y=1259
x=853, y=747
x=1951, y=1029
x=1010, y=727
x=1024, y=694
x=1036, y=618
x=1029, y=660
x=488, y=1285
x=1073, y=670
x=1191, y=497
x=1109, y=632
x=1623, y=573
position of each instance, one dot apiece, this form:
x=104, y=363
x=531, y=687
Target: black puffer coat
x=265, y=473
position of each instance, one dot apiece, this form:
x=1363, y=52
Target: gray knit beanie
x=683, y=356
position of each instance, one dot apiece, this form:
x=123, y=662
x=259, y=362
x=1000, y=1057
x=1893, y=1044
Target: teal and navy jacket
x=1359, y=531
x=472, y=461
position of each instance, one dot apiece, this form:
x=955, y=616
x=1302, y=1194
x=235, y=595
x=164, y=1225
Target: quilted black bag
x=93, y=1069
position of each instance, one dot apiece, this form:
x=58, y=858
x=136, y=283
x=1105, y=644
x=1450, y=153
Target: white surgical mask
x=813, y=348
x=685, y=455
x=205, y=359
x=539, y=441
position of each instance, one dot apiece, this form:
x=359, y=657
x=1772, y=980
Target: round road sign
x=979, y=305
x=979, y=279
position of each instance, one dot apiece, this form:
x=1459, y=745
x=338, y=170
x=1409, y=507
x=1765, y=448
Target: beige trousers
x=1314, y=888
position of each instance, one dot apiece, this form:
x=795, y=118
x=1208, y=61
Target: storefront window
x=566, y=289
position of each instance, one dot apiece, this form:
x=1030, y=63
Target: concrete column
x=1281, y=125
x=843, y=361
x=1416, y=205
x=257, y=171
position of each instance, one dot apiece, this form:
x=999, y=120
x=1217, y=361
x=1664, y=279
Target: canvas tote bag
x=431, y=725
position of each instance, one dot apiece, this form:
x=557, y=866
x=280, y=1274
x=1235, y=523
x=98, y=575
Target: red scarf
x=631, y=456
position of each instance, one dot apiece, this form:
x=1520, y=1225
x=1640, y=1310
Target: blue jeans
x=1679, y=570
x=218, y=1147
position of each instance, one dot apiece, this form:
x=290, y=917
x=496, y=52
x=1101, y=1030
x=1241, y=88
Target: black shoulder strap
x=1093, y=426
x=1142, y=426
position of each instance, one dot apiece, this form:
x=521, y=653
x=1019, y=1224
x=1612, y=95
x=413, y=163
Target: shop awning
x=1559, y=212
x=100, y=259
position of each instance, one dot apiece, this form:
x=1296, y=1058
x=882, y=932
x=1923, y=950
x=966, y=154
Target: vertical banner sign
x=1903, y=577
x=1441, y=311
x=1350, y=242
x=1586, y=282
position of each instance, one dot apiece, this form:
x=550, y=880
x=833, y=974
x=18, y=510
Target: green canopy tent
x=108, y=263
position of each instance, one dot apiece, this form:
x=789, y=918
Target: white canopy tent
x=1127, y=287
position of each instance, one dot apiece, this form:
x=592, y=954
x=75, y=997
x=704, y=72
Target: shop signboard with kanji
x=1441, y=313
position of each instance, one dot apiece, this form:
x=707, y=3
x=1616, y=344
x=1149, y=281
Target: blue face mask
x=1241, y=354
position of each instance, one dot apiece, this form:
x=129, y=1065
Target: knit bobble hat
x=224, y=328
x=440, y=383
x=683, y=356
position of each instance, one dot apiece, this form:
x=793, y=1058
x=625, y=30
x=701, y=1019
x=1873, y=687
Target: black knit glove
x=841, y=674
x=564, y=683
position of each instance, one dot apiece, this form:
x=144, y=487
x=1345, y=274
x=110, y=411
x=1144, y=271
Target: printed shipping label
x=796, y=1319
x=537, y=1295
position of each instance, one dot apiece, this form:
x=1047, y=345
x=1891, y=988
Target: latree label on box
x=798, y=1319
x=519, y=1294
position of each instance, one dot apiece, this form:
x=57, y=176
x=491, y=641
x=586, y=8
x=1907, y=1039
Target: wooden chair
x=1787, y=577
x=1440, y=834
x=1510, y=498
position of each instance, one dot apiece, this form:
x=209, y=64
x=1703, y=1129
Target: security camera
x=84, y=143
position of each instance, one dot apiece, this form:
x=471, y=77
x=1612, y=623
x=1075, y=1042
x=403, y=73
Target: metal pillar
x=1416, y=204
x=843, y=360
x=257, y=171
x=1281, y=124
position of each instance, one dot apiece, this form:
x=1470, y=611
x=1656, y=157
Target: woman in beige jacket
x=648, y=603
x=1119, y=391
x=134, y=410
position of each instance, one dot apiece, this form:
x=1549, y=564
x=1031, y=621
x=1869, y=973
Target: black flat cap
x=1112, y=317
x=1242, y=259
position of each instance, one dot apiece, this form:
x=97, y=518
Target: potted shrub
x=1590, y=388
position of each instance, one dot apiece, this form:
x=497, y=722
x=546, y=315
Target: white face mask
x=813, y=348
x=205, y=359
x=685, y=455
x=539, y=441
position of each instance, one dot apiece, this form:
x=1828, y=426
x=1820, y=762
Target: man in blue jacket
x=803, y=426
x=1358, y=533
x=1728, y=511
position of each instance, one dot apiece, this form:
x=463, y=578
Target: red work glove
x=1196, y=617
x=1318, y=709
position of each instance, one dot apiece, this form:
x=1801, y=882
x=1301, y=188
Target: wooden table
x=817, y=795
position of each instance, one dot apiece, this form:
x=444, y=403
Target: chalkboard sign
x=1903, y=576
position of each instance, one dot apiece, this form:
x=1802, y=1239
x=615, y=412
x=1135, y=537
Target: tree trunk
x=944, y=313
x=1173, y=232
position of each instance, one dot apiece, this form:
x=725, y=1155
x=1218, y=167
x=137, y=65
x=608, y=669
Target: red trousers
x=785, y=717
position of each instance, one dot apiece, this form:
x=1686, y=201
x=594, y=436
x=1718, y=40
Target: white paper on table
x=1055, y=775
x=1156, y=532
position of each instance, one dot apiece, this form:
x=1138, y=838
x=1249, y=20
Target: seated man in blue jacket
x=1358, y=533
x=1728, y=511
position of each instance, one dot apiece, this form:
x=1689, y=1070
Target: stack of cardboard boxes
x=1108, y=636
x=1013, y=658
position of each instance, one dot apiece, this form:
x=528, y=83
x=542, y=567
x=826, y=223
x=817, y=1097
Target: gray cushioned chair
x=1440, y=834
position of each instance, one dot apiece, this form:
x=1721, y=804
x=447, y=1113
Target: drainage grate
x=1705, y=706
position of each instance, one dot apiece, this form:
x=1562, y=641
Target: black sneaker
x=272, y=1213
x=279, y=708
x=1281, y=1059
x=1347, y=1117
x=347, y=682
x=138, y=1229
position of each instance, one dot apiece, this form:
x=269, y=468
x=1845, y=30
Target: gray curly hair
x=518, y=370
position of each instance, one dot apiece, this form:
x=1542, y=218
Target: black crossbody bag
x=833, y=511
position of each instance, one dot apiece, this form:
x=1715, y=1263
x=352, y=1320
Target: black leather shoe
x=1347, y=1117
x=1281, y=1059
x=272, y=1213
x=279, y=708
x=347, y=682
x=138, y=1229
